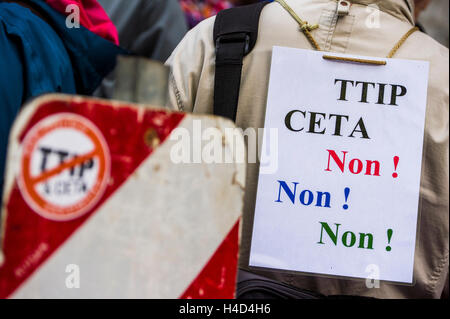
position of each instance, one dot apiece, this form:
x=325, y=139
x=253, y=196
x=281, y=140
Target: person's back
x=363, y=30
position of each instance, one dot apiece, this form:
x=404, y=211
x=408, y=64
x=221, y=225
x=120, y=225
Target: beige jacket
x=368, y=31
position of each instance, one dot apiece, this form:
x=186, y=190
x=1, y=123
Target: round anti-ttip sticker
x=64, y=166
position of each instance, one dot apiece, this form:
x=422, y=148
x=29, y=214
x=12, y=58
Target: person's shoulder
x=202, y=33
x=205, y=26
x=423, y=47
x=432, y=46
x=195, y=45
x=12, y=11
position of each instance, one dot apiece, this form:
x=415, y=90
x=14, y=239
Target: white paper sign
x=345, y=198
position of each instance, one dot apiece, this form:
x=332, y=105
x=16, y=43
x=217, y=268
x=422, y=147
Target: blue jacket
x=38, y=57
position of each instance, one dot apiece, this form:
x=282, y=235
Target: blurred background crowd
x=433, y=19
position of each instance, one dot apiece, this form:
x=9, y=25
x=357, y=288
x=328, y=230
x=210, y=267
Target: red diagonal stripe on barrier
x=214, y=284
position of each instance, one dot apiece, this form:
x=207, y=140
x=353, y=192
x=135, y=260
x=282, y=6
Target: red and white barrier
x=94, y=207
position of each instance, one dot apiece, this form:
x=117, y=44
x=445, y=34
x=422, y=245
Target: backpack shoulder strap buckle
x=241, y=37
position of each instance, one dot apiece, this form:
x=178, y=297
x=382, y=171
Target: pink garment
x=92, y=17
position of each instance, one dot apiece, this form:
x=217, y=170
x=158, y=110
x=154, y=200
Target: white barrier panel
x=94, y=205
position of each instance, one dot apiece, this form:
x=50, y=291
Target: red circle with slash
x=65, y=167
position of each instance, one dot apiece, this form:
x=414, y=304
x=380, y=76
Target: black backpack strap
x=235, y=34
